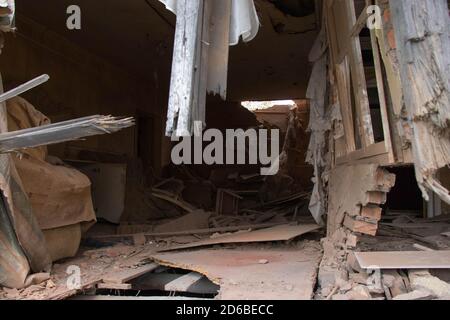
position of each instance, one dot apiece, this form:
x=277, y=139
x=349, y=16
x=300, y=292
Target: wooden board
x=126, y=275
x=404, y=259
x=159, y=282
x=183, y=283
x=279, y=233
x=114, y=286
x=289, y=274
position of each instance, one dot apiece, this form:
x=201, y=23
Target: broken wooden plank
x=278, y=233
x=24, y=87
x=114, y=286
x=125, y=275
x=183, y=283
x=159, y=281
x=404, y=260
x=190, y=232
x=62, y=132
x=184, y=69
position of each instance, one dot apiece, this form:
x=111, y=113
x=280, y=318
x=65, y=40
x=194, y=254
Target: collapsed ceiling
x=138, y=37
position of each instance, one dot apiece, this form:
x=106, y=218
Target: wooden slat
x=114, y=286
x=382, y=97
x=24, y=87
x=201, y=66
x=179, y=116
x=158, y=281
x=190, y=232
x=374, y=150
x=404, y=259
x=125, y=275
x=183, y=283
x=360, y=23
x=279, y=233
x=359, y=83
x=345, y=102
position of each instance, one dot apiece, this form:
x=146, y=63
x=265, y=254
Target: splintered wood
x=355, y=195
x=422, y=32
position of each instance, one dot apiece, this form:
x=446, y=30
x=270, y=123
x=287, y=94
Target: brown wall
x=81, y=84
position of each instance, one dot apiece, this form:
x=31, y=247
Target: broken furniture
x=227, y=202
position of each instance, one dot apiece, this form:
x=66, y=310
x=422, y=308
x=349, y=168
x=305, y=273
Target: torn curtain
x=243, y=22
x=22, y=247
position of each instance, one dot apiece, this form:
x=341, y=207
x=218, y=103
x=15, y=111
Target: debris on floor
x=408, y=260
x=286, y=274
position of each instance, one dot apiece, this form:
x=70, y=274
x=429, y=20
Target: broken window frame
x=344, y=28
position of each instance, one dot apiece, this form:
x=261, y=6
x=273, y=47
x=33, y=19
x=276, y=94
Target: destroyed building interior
x=93, y=206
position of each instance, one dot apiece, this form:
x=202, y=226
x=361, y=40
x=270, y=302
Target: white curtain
x=244, y=19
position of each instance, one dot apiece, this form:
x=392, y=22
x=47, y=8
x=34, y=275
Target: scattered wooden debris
x=62, y=132
x=114, y=286
x=278, y=233
x=290, y=275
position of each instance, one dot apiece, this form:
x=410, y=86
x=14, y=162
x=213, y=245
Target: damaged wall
x=81, y=84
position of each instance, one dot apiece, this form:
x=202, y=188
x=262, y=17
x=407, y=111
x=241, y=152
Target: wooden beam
x=183, y=283
x=219, y=48
x=185, y=57
x=360, y=23
x=61, y=132
x=127, y=274
x=24, y=87
x=190, y=232
x=382, y=97
x=114, y=286
x=359, y=83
